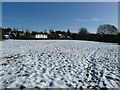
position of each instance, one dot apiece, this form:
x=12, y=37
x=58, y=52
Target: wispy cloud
x=80, y=20
x=95, y=19
x=86, y=20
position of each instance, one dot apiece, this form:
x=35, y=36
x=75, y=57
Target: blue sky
x=59, y=15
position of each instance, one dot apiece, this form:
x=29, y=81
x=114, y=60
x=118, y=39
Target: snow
x=58, y=64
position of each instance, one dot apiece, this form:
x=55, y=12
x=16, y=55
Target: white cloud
x=86, y=20
x=95, y=19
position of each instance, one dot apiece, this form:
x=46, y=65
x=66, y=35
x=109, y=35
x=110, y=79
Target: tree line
x=105, y=33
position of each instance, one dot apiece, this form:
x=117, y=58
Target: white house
x=41, y=36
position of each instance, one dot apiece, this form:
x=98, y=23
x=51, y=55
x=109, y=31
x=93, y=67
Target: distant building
x=6, y=36
x=41, y=36
x=62, y=36
x=17, y=34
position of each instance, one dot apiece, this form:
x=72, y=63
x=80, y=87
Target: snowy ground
x=59, y=64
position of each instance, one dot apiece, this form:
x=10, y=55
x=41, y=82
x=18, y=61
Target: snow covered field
x=58, y=64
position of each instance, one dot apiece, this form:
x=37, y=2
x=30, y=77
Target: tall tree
x=83, y=31
x=45, y=31
x=107, y=29
x=68, y=32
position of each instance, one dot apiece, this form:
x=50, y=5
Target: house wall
x=41, y=36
